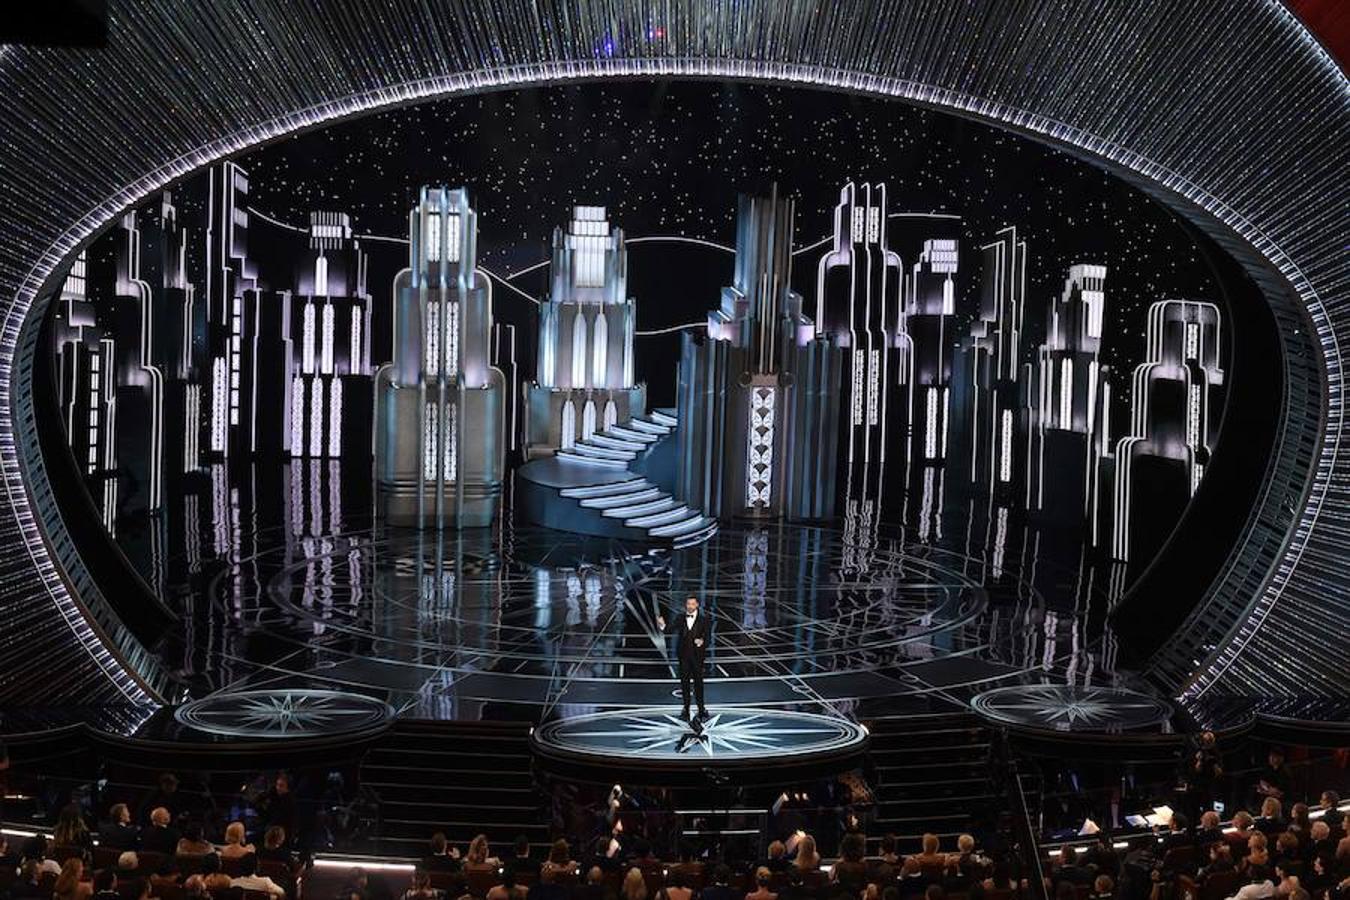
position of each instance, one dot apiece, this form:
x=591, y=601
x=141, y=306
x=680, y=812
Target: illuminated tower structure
x=1175, y=404
x=86, y=382
x=1069, y=403
x=584, y=381
x=330, y=387
x=995, y=430
x=439, y=441
x=760, y=388
x=229, y=275
x=859, y=283
x=930, y=318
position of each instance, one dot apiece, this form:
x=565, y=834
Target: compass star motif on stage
x=283, y=713
x=1063, y=707
x=726, y=734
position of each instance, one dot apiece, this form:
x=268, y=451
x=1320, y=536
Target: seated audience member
x=420, y=887
x=476, y=859
x=442, y=857
x=274, y=847
x=165, y=795
x=777, y=860
x=1101, y=857
x=357, y=886
x=35, y=848
x=850, y=872
x=1329, y=801
x=912, y=881
x=593, y=889
x=796, y=887
x=105, y=885
x=1258, y=854
x=807, y=857
x=235, y=845
x=1289, y=852
x=521, y=862
x=70, y=884
x=27, y=886
x=1068, y=869
x=934, y=892
x=1210, y=830
x=507, y=889
x=1242, y=831
x=1320, y=842
x=676, y=887
x=70, y=830
x=1220, y=860
x=218, y=884
x=761, y=892
x=930, y=858
x=1271, y=821
x=250, y=880
x=1103, y=888
x=550, y=886
x=193, y=842
x=1000, y=877
x=160, y=836
x=720, y=886
x=166, y=876
x=886, y=865
x=560, y=860
x=1258, y=885
x=118, y=833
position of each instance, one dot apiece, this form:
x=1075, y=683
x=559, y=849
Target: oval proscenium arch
x=1260, y=163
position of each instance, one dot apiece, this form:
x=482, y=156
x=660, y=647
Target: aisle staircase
x=932, y=773
x=459, y=778
x=615, y=484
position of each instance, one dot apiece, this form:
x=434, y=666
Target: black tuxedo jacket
x=688, y=650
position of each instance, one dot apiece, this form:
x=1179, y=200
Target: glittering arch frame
x=1163, y=97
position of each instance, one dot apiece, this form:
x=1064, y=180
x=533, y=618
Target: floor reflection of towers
x=930, y=314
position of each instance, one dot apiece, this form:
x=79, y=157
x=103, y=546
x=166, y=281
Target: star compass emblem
x=726, y=734
x=283, y=714
x=1066, y=707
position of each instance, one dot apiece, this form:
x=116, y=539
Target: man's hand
x=698, y=642
x=661, y=622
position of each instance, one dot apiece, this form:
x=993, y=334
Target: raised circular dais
x=299, y=713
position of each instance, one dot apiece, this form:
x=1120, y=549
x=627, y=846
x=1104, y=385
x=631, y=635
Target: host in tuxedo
x=693, y=634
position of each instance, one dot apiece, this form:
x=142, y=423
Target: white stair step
x=695, y=537
x=661, y=504
x=627, y=499
x=615, y=443
x=684, y=528
x=608, y=489
x=588, y=449
x=678, y=514
x=662, y=417
x=623, y=432
x=571, y=457
x=649, y=427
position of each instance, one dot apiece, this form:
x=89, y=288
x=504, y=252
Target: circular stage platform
x=653, y=740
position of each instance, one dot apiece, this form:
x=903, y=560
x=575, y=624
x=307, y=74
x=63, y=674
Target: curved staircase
x=613, y=484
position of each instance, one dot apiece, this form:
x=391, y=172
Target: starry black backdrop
x=669, y=158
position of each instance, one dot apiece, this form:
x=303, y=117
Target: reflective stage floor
x=531, y=624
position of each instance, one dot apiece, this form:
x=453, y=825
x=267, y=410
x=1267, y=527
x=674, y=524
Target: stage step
x=609, y=489
x=661, y=502
x=586, y=448
x=623, y=500
x=623, y=432
x=616, y=443
x=460, y=778
x=571, y=455
x=664, y=417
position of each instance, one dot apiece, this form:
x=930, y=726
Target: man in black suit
x=118, y=833
x=693, y=633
